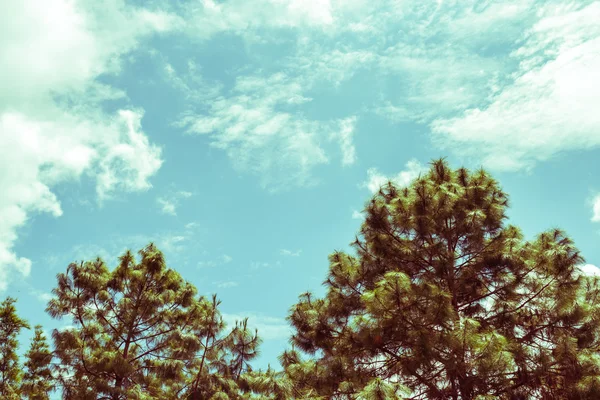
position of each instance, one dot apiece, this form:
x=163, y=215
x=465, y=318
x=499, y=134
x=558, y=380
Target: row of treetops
x=442, y=299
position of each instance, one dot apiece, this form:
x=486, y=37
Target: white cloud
x=259, y=264
x=226, y=284
x=208, y=17
x=86, y=252
x=596, y=209
x=130, y=162
x=52, y=126
x=269, y=328
x=44, y=297
x=357, y=215
x=191, y=225
x=344, y=136
x=320, y=64
x=258, y=127
x=222, y=259
x=172, y=243
x=289, y=253
x=190, y=82
x=168, y=204
x=169, y=242
x=589, y=270
x=403, y=178
x=551, y=106
x=434, y=80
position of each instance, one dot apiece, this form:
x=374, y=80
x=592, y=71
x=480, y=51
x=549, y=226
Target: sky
x=244, y=137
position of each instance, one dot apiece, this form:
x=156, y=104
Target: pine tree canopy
x=10, y=372
x=444, y=300
x=141, y=332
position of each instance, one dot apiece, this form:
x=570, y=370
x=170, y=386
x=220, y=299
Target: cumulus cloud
x=589, y=270
x=551, y=105
x=403, y=178
x=52, y=125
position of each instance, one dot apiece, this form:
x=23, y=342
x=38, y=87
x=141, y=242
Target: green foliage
x=142, y=332
x=10, y=372
x=38, y=379
x=445, y=301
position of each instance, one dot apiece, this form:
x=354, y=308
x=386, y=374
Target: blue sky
x=245, y=137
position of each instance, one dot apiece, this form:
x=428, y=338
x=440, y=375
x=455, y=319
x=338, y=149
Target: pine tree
x=443, y=300
x=38, y=379
x=219, y=370
x=141, y=332
x=10, y=372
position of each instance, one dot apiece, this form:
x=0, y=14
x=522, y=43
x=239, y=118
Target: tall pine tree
x=443, y=300
x=37, y=378
x=10, y=371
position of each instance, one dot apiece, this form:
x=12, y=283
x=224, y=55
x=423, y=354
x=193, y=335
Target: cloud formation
x=403, y=178
x=550, y=107
x=596, y=209
x=168, y=204
x=589, y=270
x=51, y=122
x=257, y=125
x=290, y=253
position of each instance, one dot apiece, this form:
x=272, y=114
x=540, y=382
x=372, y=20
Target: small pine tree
x=135, y=328
x=142, y=332
x=37, y=379
x=10, y=372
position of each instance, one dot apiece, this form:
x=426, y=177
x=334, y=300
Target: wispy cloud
x=596, y=209
x=190, y=82
x=357, y=214
x=258, y=125
x=375, y=179
x=264, y=264
x=221, y=260
x=259, y=264
x=210, y=17
x=290, y=253
x=345, y=138
x=226, y=284
x=550, y=106
x=168, y=204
